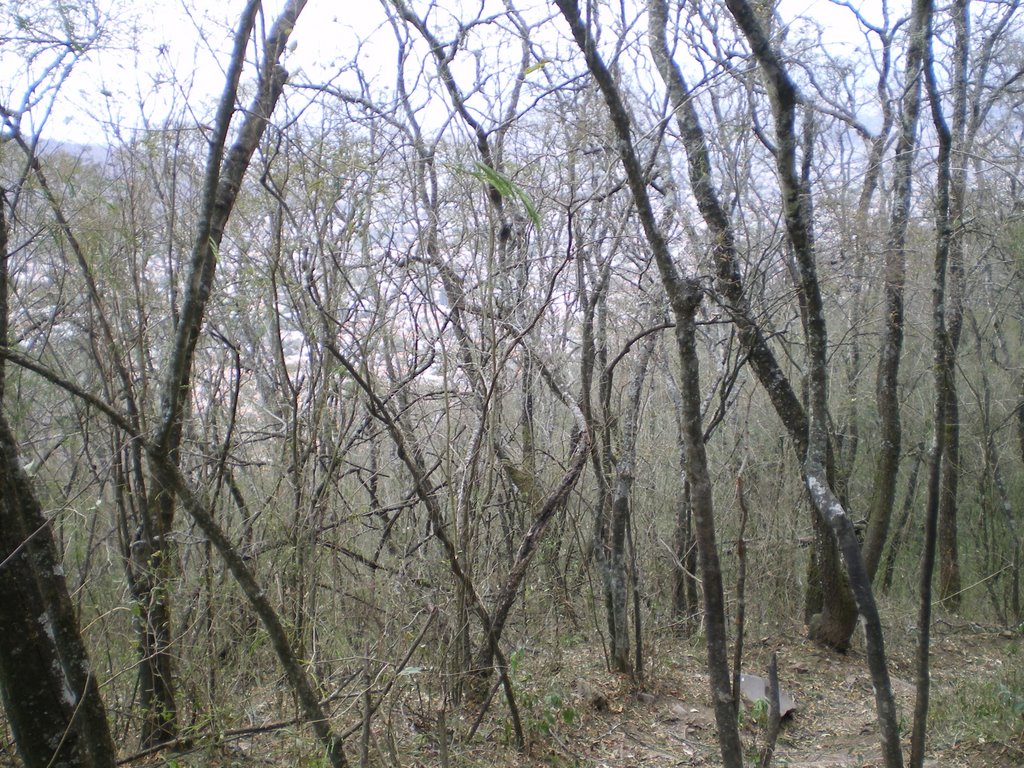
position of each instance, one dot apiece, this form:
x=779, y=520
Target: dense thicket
x=413, y=374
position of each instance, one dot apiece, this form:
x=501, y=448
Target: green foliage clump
x=543, y=710
x=992, y=710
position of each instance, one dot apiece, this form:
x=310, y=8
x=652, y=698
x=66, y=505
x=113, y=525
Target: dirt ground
x=576, y=713
x=833, y=725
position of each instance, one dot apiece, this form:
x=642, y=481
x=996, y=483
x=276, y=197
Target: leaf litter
x=576, y=713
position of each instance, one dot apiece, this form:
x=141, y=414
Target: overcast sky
x=162, y=58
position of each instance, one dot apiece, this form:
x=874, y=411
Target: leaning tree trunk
x=833, y=617
x=547, y=507
x=799, y=228
x=684, y=295
x=848, y=430
x=50, y=696
x=903, y=526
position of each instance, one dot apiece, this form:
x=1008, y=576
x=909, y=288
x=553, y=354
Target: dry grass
x=578, y=714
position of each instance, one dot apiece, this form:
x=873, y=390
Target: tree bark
x=799, y=227
x=49, y=693
x=684, y=295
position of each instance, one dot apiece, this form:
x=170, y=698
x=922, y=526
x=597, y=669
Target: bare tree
x=796, y=202
x=49, y=690
x=684, y=296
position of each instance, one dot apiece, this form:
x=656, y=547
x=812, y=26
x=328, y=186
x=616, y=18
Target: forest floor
x=576, y=713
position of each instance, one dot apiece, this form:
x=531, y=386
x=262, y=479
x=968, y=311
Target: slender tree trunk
x=942, y=372
x=685, y=600
x=624, y=473
x=508, y=250
x=298, y=679
x=848, y=437
x=887, y=380
x=949, y=548
x=950, y=585
x=828, y=591
x=684, y=295
x=607, y=555
x=799, y=227
x=996, y=493
x=551, y=504
x=685, y=609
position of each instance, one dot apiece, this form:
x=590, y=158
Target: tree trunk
x=624, y=472
x=685, y=611
x=684, y=295
x=949, y=556
x=150, y=570
x=548, y=506
x=949, y=586
x=830, y=611
x=836, y=620
x=995, y=493
x=943, y=361
x=887, y=380
x=50, y=696
x=685, y=592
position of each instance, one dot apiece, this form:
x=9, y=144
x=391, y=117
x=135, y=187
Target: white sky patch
x=163, y=61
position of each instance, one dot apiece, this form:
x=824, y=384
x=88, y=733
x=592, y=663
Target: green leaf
x=537, y=66
x=506, y=188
